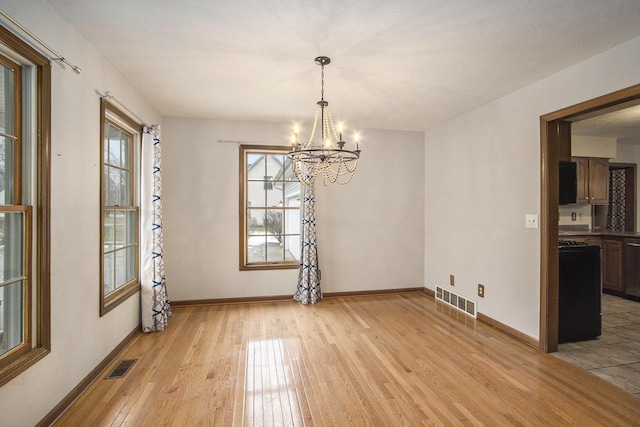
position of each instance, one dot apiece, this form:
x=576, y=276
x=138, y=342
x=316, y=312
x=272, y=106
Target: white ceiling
x=404, y=64
x=620, y=123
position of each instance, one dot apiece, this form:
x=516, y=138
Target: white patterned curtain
x=154, y=301
x=308, y=291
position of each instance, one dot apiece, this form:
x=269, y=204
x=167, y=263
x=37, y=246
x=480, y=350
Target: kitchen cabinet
x=632, y=266
x=612, y=272
x=593, y=180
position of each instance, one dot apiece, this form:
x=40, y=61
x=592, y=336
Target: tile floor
x=615, y=355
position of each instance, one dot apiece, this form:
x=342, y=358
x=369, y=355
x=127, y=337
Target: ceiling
x=404, y=64
x=621, y=122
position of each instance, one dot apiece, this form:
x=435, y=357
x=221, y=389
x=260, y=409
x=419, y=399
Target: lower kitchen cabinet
x=612, y=272
x=632, y=267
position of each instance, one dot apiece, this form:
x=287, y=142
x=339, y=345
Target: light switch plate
x=531, y=221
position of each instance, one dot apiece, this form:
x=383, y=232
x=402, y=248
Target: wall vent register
x=465, y=305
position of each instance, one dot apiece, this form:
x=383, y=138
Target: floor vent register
x=461, y=303
x=121, y=369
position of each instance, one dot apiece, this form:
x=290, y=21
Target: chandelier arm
x=324, y=155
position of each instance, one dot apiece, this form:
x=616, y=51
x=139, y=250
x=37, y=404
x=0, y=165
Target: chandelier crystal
x=328, y=157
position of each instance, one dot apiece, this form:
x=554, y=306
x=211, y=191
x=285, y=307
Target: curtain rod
x=108, y=95
x=57, y=56
x=228, y=141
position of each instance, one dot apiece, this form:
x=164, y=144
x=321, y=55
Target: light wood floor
x=384, y=360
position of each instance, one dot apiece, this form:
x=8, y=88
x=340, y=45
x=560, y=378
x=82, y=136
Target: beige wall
x=80, y=337
x=370, y=232
x=483, y=176
x=583, y=215
x=411, y=216
x=593, y=146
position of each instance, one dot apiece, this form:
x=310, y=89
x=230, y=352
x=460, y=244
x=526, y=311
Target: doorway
x=555, y=131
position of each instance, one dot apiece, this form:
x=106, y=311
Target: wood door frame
x=553, y=141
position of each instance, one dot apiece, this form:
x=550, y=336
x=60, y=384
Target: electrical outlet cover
x=481, y=291
x=531, y=221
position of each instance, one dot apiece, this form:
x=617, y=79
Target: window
x=25, y=115
x=120, y=141
x=269, y=209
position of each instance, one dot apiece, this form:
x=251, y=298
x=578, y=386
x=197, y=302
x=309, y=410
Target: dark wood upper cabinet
x=593, y=180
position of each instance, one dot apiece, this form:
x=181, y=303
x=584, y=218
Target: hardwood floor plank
x=381, y=360
x=307, y=402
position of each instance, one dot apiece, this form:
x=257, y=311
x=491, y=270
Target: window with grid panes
x=120, y=142
x=269, y=209
x=25, y=115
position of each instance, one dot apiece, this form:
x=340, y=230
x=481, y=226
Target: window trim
x=39, y=262
x=27, y=277
x=242, y=216
x=17, y=153
x=121, y=294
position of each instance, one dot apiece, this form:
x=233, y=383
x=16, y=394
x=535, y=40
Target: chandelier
x=328, y=157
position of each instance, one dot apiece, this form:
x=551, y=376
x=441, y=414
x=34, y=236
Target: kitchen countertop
x=599, y=233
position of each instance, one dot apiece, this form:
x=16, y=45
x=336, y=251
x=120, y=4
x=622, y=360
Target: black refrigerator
x=580, y=292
